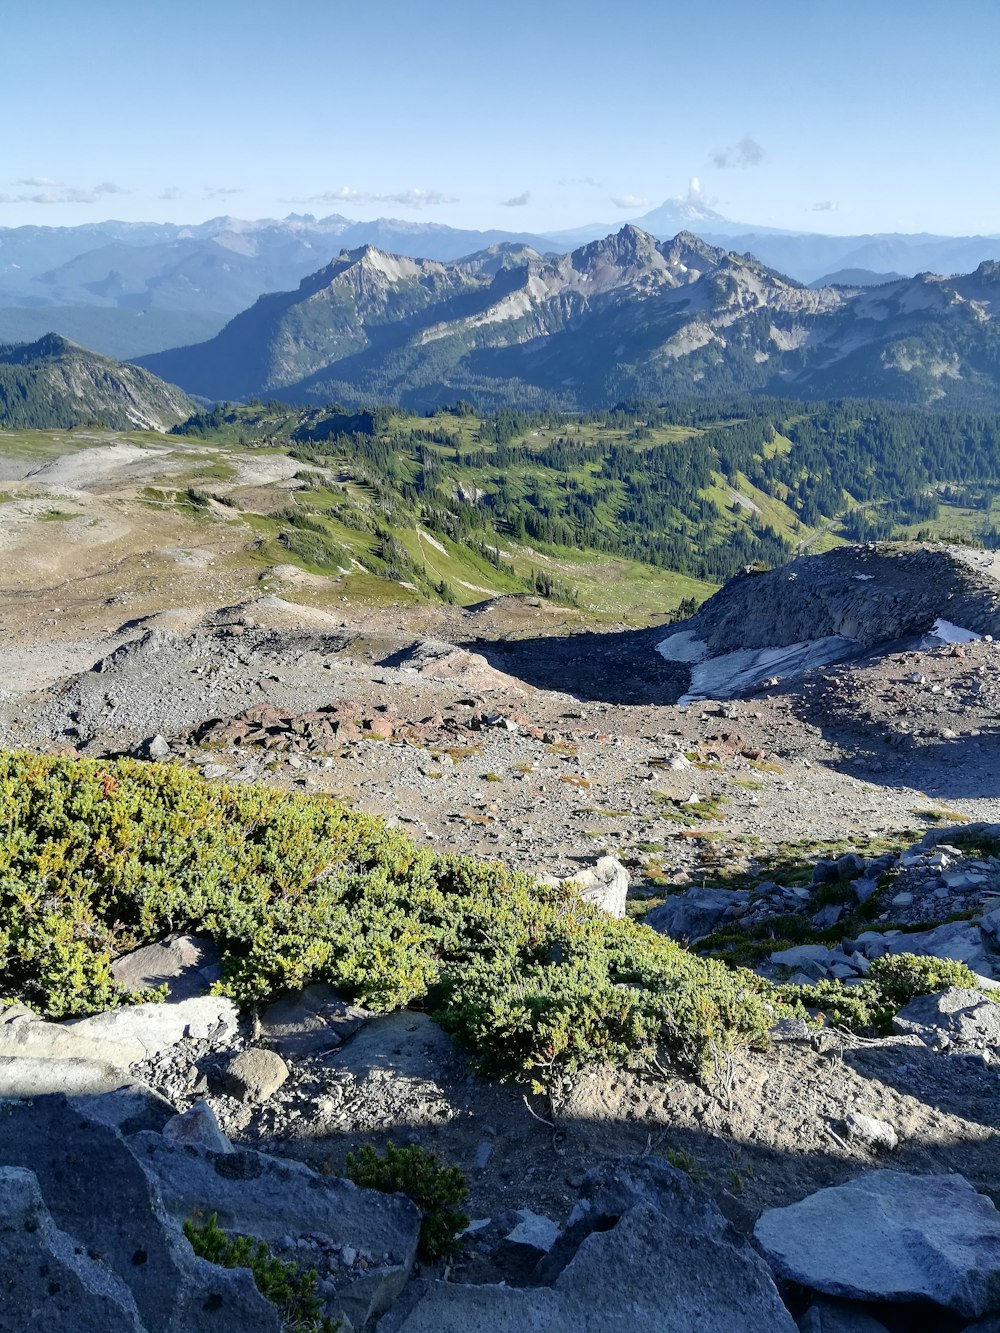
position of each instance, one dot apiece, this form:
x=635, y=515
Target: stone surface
x=889, y=1236
x=873, y=1133
x=255, y=1074
x=534, y=1231
x=198, y=1128
x=48, y=1282
x=313, y=1022
x=957, y=1016
x=262, y=1196
x=694, y=914
x=669, y=1264
x=96, y=1192
x=838, y=1317
x=187, y=964
x=128, y=1109
x=26, y=1076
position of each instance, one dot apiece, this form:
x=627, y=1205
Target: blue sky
x=813, y=115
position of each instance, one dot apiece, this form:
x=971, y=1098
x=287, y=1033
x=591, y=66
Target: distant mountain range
x=626, y=317
x=52, y=385
x=129, y=289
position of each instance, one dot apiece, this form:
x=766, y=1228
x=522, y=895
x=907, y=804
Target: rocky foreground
x=811, y=827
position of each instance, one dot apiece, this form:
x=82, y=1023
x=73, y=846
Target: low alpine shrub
x=438, y=1191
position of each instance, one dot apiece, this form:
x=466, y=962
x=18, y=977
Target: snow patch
x=943, y=631
x=727, y=674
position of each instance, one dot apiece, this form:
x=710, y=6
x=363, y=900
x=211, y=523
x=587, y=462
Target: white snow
x=727, y=674
x=943, y=631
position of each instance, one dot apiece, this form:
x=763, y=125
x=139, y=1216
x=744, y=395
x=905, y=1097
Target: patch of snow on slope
x=943, y=631
x=729, y=673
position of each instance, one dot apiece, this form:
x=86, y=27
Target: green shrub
x=278, y=1280
x=892, y=982
x=99, y=857
x=438, y=1191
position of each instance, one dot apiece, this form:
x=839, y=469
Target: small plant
x=682, y=1160
x=279, y=1281
x=437, y=1190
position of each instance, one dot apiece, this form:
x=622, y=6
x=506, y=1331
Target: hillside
x=623, y=318
x=53, y=383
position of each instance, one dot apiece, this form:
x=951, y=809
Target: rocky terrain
x=809, y=826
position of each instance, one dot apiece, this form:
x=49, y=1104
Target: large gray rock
x=694, y=914
x=187, y=964
x=669, y=1264
x=313, y=1022
x=257, y=1195
x=97, y=1193
x=889, y=1236
x=955, y=1017
x=49, y=1282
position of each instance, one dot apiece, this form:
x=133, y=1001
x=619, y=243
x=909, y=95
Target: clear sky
x=828, y=115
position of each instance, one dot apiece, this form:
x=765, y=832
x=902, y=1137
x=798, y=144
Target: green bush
x=892, y=982
x=278, y=1280
x=438, y=1191
x=98, y=857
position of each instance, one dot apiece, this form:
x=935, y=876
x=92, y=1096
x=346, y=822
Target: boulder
x=187, y=964
x=313, y=1022
x=889, y=1236
x=197, y=1127
x=960, y=940
x=605, y=884
x=955, y=1017
x=694, y=914
x=255, y=1074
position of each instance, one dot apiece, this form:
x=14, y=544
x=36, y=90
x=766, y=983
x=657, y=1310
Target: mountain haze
x=624, y=317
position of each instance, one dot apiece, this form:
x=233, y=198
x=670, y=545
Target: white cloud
x=171, y=192
x=415, y=197
x=53, y=192
x=825, y=206
x=516, y=201
x=746, y=153
x=629, y=201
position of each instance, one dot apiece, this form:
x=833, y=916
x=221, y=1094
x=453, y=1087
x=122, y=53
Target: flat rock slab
x=312, y=1023
x=142, y=1031
x=957, y=1016
x=888, y=1236
x=187, y=964
x=25, y=1076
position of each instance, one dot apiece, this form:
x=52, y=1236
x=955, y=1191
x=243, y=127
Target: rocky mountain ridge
x=625, y=317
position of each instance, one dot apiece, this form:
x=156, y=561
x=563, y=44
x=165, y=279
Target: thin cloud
x=171, y=192
x=222, y=191
x=582, y=180
x=629, y=201
x=825, y=206
x=746, y=153
x=516, y=201
x=415, y=197
x=53, y=192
